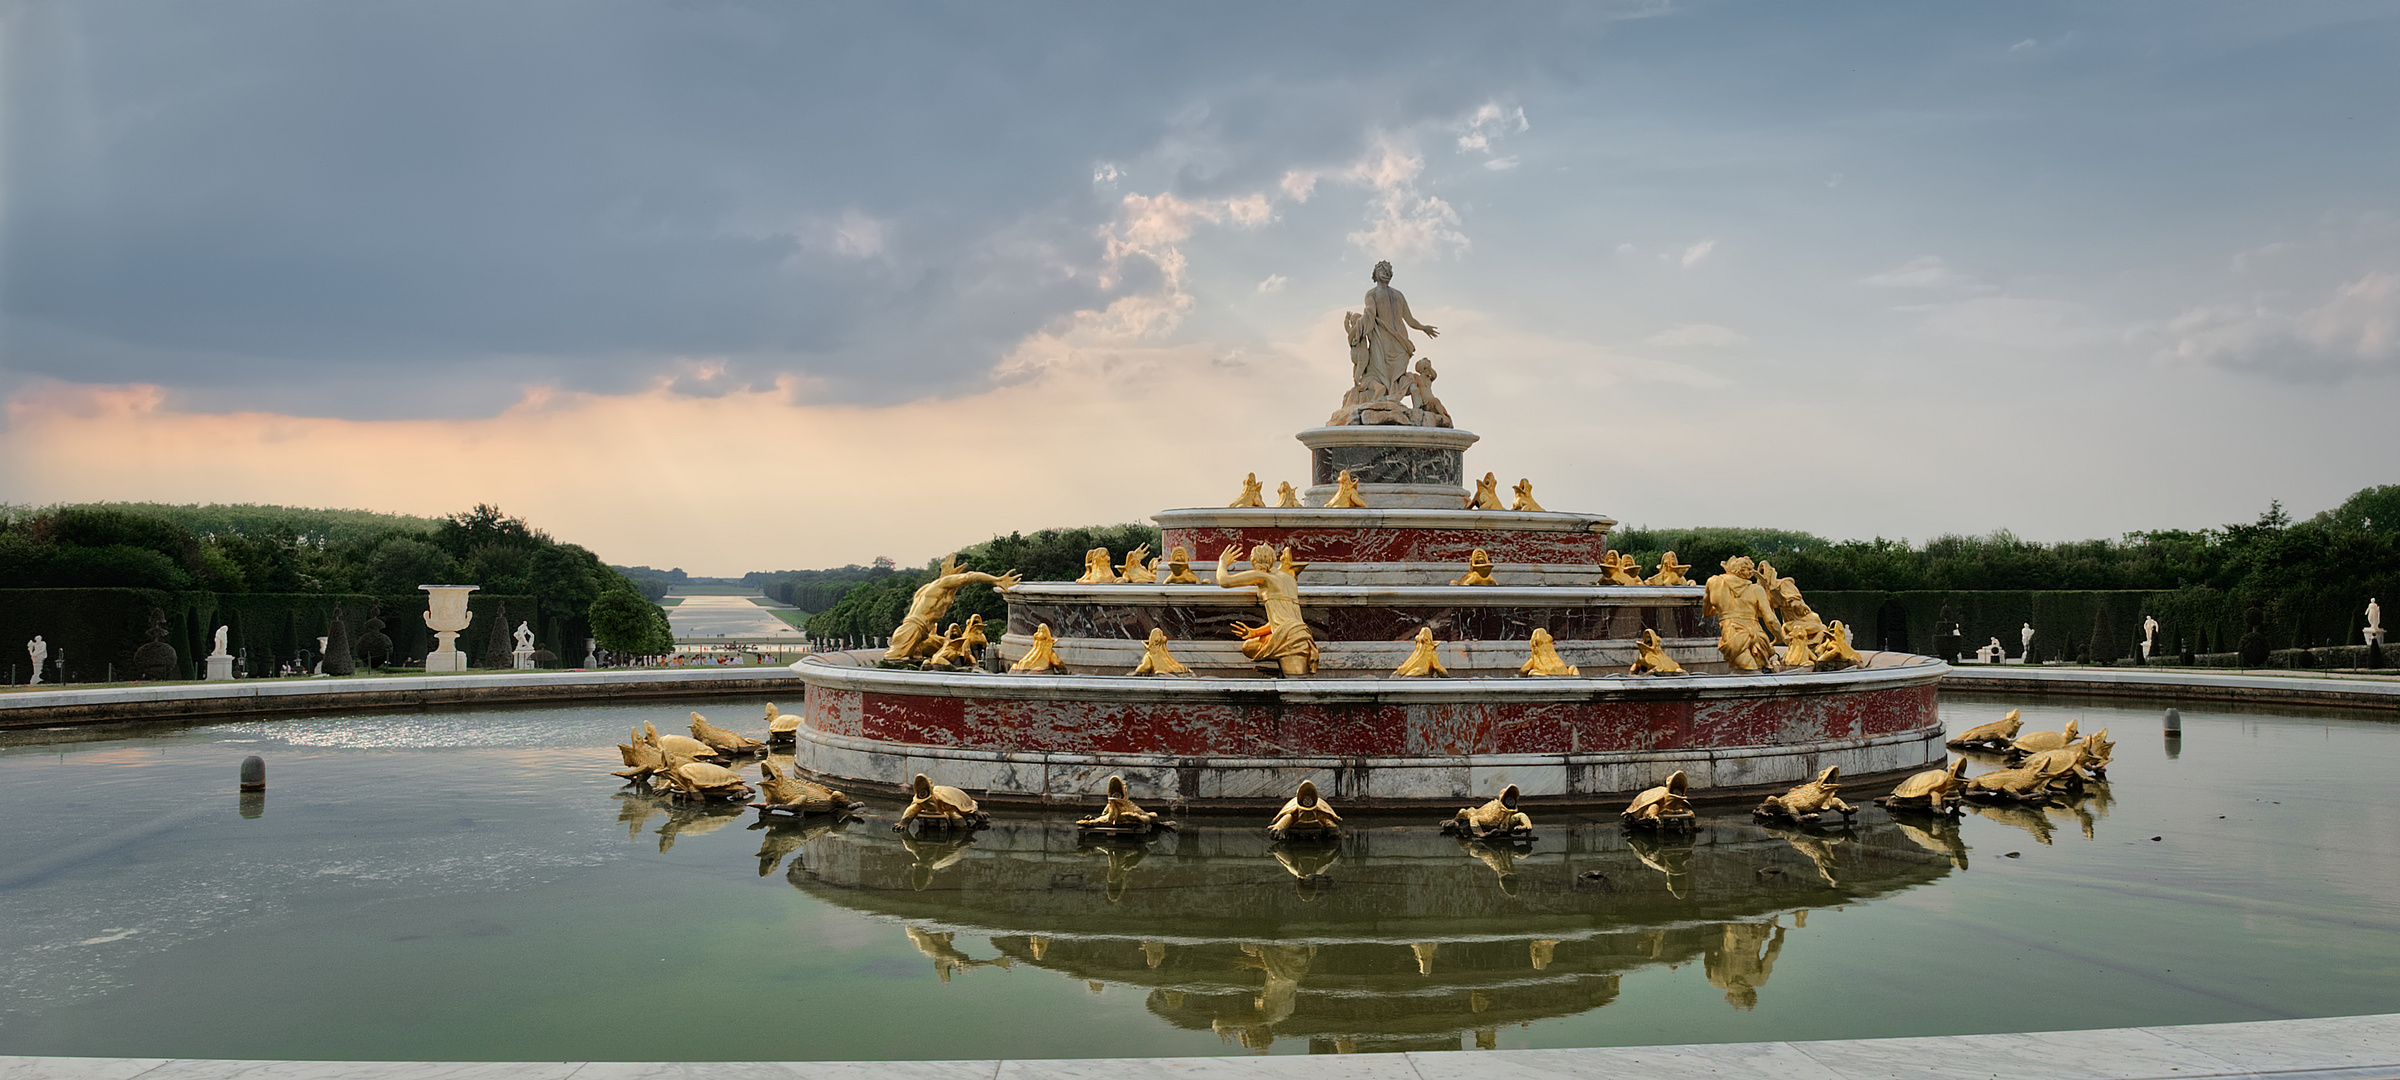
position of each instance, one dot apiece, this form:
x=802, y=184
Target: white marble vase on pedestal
x=446, y=615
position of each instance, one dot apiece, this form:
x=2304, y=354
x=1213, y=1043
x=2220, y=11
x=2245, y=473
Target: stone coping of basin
x=1371, y=517
x=1910, y=671
x=1211, y=595
x=2327, y=1048
x=25, y=707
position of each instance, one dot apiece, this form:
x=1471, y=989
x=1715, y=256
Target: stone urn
x=446, y=614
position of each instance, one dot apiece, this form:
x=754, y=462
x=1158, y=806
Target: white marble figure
x=2149, y=632
x=524, y=650
x=1992, y=653
x=2025, y=641
x=39, y=650
x=320, y=668
x=2374, y=622
x=220, y=653
x=1380, y=349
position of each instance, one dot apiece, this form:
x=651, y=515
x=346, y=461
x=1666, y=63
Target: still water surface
x=474, y=885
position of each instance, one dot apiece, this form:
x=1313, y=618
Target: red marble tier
x=1200, y=729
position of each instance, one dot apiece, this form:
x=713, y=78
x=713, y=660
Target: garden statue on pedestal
x=2025, y=643
x=523, y=653
x=39, y=650
x=2149, y=631
x=1285, y=639
x=2374, y=622
x=1380, y=349
x=220, y=662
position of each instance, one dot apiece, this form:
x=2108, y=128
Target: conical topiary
x=374, y=645
x=499, y=650
x=155, y=659
x=339, y=657
x=2254, y=641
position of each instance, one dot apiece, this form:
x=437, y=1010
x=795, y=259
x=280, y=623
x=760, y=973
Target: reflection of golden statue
x=1155, y=658
x=1671, y=856
x=1345, y=495
x=1809, y=801
x=1179, y=567
x=1122, y=855
x=1285, y=638
x=1487, y=494
x=1500, y=817
x=1669, y=572
x=1738, y=965
x=1933, y=789
x=1136, y=571
x=1287, y=497
x=1619, y=568
x=1276, y=1001
x=1544, y=658
x=1120, y=811
x=1663, y=807
x=1042, y=657
x=1098, y=568
x=1479, y=569
x=1833, y=650
x=1305, y=815
x=1744, y=619
x=1650, y=655
x=1423, y=661
x=947, y=957
x=935, y=804
x=1543, y=951
x=1500, y=855
x=1250, y=496
x=1935, y=834
x=1524, y=500
x=913, y=637
x=1996, y=735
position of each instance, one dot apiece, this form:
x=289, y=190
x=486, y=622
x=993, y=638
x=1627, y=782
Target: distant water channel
x=474, y=885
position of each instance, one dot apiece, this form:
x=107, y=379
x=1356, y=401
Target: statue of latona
x=1382, y=387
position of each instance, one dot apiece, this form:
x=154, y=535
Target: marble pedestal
x=220, y=669
x=524, y=658
x=1396, y=467
x=445, y=660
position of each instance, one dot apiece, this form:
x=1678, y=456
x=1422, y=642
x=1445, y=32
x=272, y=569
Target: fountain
x=1310, y=641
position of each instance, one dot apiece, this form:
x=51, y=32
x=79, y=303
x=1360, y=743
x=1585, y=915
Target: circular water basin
x=473, y=885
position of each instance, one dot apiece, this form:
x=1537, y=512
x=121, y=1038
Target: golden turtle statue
x=1665, y=807
x=784, y=796
x=933, y=806
x=1650, y=656
x=1498, y=819
x=1935, y=790
x=1543, y=658
x=782, y=727
x=1992, y=736
x=1808, y=802
x=701, y=781
x=680, y=744
x=1121, y=815
x=643, y=758
x=725, y=743
x=1305, y=816
x=2025, y=783
x=2034, y=742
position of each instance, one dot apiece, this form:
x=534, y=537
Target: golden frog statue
x=1650, y=656
x=1155, y=658
x=1543, y=658
x=1098, y=568
x=1423, y=661
x=1250, y=496
x=1933, y=790
x=1287, y=497
x=1345, y=495
x=1487, y=494
x=1498, y=818
x=782, y=727
x=1479, y=569
x=1996, y=735
x=2034, y=742
x=1808, y=802
x=1665, y=807
x=1618, y=568
x=1669, y=572
x=934, y=805
x=916, y=636
x=1746, y=624
x=1120, y=813
x=1833, y=651
x=725, y=743
x=1524, y=500
x=1800, y=651
x=1137, y=571
x=1179, y=567
x=1042, y=658
x=1285, y=639
x=1305, y=815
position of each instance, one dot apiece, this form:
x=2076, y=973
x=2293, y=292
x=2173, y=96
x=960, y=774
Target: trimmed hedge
x=2210, y=620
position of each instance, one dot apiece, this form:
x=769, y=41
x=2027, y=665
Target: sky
x=736, y=286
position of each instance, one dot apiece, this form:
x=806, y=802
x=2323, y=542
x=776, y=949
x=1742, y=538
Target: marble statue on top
x=1383, y=389
x=2149, y=632
x=39, y=650
x=2025, y=642
x=220, y=653
x=523, y=653
x=2374, y=622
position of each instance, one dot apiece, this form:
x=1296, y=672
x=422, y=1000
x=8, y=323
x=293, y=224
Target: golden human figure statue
x=1120, y=810
x=1098, y=568
x=1305, y=815
x=1042, y=657
x=1285, y=638
x=1783, y=593
x=953, y=653
x=1423, y=661
x=1620, y=569
x=1479, y=569
x=1650, y=656
x=914, y=636
x=1250, y=496
x=1524, y=500
x=1834, y=651
x=1544, y=658
x=1179, y=567
x=1487, y=494
x=1669, y=572
x=1500, y=815
x=1137, y=570
x=1345, y=495
x=1156, y=660
x=1287, y=497
x=1746, y=623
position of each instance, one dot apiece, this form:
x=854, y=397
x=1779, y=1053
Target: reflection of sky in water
x=474, y=884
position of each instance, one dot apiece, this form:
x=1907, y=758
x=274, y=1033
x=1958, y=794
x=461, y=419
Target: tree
x=340, y=655
x=499, y=647
x=624, y=622
x=374, y=644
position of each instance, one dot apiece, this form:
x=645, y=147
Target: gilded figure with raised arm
x=1137, y=570
x=1285, y=639
x=917, y=633
x=1746, y=623
x=1383, y=328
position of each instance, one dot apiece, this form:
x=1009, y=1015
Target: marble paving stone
x=206, y=1069
x=788, y=1070
x=75, y=1068
x=1726, y=1061
x=1313, y=1067
x=2104, y=1054
x=2283, y=1045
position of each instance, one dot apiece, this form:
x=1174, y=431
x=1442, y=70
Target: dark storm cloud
x=252, y=201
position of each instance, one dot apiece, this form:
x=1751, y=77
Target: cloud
x=1693, y=254
x=1273, y=283
x=1502, y=164
x=1402, y=221
x=2355, y=332
x=1701, y=335
x=1923, y=272
x=1489, y=123
x=1299, y=184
